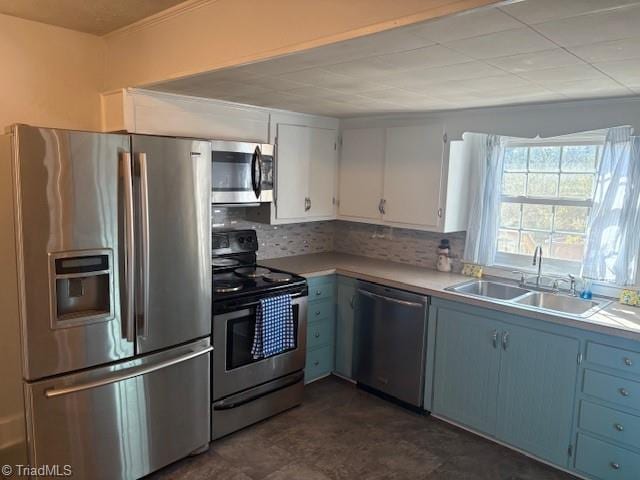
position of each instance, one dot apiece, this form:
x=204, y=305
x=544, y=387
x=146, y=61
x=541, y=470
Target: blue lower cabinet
x=604, y=461
x=538, y=374
x=467, y=362
x=321, y=318
x=514, y=383
x=345, y=318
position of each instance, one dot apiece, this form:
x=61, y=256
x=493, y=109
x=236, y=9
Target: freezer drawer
x=126, y=420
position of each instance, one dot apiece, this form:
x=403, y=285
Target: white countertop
x=616, y=319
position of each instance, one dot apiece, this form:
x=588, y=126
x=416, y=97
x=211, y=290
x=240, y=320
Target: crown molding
x=160, y=17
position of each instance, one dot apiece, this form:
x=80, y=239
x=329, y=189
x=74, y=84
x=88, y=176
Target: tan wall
x=50, y=76
x=229, y=32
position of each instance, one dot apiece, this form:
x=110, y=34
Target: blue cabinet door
x=538, y=374
x=344, y=326
x=467, y=361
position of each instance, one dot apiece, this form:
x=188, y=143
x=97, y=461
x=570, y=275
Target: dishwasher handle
x=405, y=303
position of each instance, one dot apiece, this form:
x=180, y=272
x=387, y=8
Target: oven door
x=234, y=368
x=241, y=172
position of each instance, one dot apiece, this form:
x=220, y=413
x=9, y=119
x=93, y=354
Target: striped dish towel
x=274, y=327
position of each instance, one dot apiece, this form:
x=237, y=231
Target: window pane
x=537, y=217
x=510, y=215
x=579, y=158
x=571, y=219
x=515, y=159
x=567, y=247
x=576, y=185
x=544, y=159
x=529, y=241
x=514, y=183
x=542, y=185
x=508, y=241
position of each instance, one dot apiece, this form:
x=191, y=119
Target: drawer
x=320, y=310
x=610, y=423
x=321, y=292
x=623, y=360
x=319, y=363
x=320, y=333
x=621, y=391
x=606, y=461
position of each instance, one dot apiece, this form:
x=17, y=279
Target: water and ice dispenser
x=81, y=286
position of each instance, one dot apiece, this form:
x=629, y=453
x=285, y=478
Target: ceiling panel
x=526, y=52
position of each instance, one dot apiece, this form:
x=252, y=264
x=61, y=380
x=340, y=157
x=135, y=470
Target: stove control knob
x=241, y=240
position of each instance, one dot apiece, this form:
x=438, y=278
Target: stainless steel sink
x=560, y=303
x=486, y=288
x=533, y=299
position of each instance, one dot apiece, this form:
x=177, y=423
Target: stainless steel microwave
x=241, y=172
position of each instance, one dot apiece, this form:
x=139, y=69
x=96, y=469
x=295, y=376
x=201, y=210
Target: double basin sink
x=530, y=299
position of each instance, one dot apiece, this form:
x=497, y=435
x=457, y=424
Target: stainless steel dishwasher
x=390, y=341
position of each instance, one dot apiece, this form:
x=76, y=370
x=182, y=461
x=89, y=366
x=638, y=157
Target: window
x=546, y=198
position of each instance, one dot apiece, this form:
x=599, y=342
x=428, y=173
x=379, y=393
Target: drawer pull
x=618, y=427
x=628, y=362
x=317, y=335
x=624, y=392
x=615, y=465
x=317, y=313
x=318, y=293
x=316, y=363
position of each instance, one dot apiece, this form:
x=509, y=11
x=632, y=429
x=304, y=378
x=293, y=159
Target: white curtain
x=613, y=235
x=485, y=192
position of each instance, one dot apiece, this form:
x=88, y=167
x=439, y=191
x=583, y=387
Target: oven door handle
x=240, y=310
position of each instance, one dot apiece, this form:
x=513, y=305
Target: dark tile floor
x=341, y=432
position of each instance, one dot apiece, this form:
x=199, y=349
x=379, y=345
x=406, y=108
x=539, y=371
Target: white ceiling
x=91, y=16
x=526, y=52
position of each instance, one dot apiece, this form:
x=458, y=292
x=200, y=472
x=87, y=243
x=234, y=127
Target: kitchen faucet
x=537, y=257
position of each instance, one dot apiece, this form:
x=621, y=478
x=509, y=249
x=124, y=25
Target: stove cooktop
x=251, y=280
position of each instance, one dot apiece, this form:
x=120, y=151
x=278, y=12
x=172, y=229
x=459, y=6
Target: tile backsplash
x=395, y=244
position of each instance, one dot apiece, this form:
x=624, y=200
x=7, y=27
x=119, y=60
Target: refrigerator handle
x=129, y=254
x=144, y=228
x=126, y=374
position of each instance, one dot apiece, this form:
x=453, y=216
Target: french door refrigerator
x=113, y=293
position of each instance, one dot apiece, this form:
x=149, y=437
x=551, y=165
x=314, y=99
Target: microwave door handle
x=260, y=174
x=255, y=180
x=129, y=248
x=144, y=228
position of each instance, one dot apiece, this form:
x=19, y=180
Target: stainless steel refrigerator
x=107, y=290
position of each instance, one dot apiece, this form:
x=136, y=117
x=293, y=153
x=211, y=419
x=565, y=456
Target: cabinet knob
x=317, y=335
x=618, y=427
x=624, y=392
x=318, y=293
x=615, y=465
x=628, y=362
x=316, y=363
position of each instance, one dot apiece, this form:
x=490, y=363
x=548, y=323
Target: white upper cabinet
x=413, y=174
x=362, y=173
x=293, y=167
x=403, y=176
x=306, y=162
x=322, y=172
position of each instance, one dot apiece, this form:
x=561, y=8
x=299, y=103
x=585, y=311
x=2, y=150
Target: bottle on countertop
x=444, y=258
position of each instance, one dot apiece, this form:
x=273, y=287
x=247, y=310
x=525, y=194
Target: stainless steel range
x=246, y=390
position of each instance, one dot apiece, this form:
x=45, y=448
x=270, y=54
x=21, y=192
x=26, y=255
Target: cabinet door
x=361, y=172
x=467, y=364
x=344, y=327
x=413, y=175
x=322, y=172
x=292, y=164
x=538, y=375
